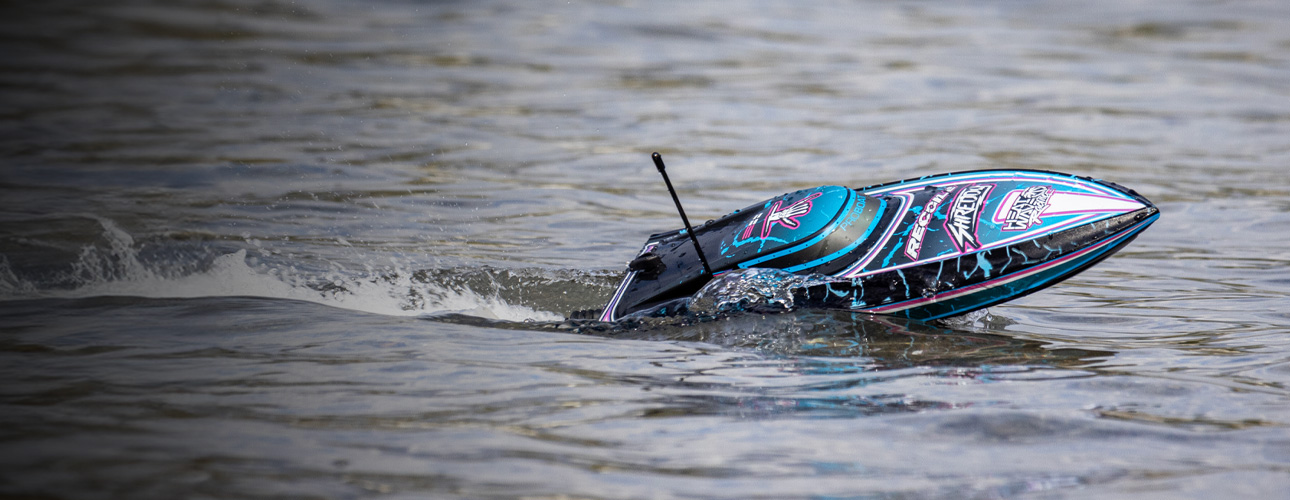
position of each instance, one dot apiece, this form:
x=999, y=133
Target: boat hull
x=925, y=248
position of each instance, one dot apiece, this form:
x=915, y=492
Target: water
x=325, y=249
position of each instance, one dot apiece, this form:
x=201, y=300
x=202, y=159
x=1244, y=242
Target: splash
x=754, y=290
x=10, y=284
x=116, y=269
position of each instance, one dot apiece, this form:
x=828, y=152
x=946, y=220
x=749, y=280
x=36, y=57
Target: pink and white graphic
x=786, y=217
x=961, y=223
x=1075, y=201
x=915, y=244
x=748, y=229
x=1025, y=208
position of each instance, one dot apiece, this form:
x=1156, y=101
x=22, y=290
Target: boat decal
x=915, y=243
x=1085, y=202
x=1021, y=208
x=752, y=224
x=848, y=205
x=964, y=216
x=786, y=217
x=1009, y=278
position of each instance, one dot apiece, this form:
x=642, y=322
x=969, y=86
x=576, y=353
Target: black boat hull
x=923, y=248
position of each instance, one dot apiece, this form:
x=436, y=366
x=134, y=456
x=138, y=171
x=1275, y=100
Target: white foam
x=118, y=271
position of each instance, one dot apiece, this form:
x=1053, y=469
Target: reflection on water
x=325, y=249
x=886, y=342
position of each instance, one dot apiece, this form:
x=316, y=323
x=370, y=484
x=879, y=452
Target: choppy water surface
x=325, y=249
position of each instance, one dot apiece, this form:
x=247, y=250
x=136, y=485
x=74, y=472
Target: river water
x=259, y=248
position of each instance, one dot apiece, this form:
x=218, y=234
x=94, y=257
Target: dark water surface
x=324, y=249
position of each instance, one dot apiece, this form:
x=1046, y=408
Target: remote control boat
x=924, y=248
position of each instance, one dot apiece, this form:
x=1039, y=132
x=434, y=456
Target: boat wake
x=115, y=268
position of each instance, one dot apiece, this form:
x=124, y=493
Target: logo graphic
x=1025, y=211
x=964, y=214
x=915, y=244
x=786, y=217
x=748, y=229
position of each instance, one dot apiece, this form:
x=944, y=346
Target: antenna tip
x=658, y=160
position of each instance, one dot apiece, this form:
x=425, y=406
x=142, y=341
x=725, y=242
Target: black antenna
x=658, y=162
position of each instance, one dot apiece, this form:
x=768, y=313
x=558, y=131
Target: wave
x=116, y=269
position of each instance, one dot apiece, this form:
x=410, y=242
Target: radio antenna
x=658, y=162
